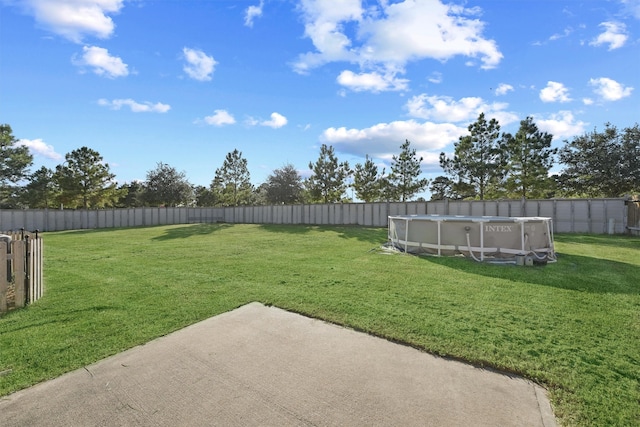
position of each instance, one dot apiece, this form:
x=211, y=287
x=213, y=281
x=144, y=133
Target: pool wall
x=479, y=237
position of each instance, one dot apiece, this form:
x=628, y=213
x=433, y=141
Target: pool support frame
x=493, y=238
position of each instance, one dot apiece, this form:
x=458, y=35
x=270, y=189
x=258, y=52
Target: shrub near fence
x=20, y=269
x=568, y=215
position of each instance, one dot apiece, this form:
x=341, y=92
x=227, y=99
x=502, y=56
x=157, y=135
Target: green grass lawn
x=572, y=326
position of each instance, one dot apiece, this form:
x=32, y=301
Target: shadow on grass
x=106, y=229
x=372, y=235
x=191, y=230
x=61, y=317
x=570, y=272
x=364, y=234
x=620, y=241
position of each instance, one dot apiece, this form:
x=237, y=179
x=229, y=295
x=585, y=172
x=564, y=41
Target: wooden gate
x=20, y=269
x=633, y=216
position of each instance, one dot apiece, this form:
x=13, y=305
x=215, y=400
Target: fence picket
x=17, y=254
x=4, y=285
x=21, y=277
x=633, y=217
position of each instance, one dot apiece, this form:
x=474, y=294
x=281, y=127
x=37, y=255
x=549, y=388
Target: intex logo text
x=498, y=228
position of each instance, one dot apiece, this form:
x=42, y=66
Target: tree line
x=485, y=164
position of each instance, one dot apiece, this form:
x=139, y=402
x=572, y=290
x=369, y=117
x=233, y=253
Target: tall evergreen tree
x=15, y=161
x=85, y=181
x=259, y=195
x=132, y=195
x=232, y=182
x=477, y=158
x=441, y=188
x=367, y=182
x=41, y=191
x=204, y=196
x=403, y=182
x=327, y=183
x=529, y=157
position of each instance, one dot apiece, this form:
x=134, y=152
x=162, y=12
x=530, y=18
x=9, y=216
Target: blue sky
x=186, y=82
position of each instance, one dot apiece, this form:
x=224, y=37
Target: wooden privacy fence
x=20, y=269
x=633, y=216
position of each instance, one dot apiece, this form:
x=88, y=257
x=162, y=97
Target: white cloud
x=199, y=65
x=220, y=118
x=389, y=36
x=253, y=12
x=102, y=63
x=503, y=89
x=587, y=101
x=632, y=7
x=374, y=82
x=436, y=77
x=561, y=125
x=75, y=19
x=382, y=140
x=610, y=90
x=567, y=31
x=39, y=148
x=420, y=29
x=136, y=107
x=555, y=92
x=277, y=121
x=323, y=24
x=465, y=110
x=615, y=35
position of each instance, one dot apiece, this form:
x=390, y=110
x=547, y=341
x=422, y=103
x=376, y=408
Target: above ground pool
x=483, y=238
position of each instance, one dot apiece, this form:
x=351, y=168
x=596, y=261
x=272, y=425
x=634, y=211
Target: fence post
x=4, y=288
x=17, y=253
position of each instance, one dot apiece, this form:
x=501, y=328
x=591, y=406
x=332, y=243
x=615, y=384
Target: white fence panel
x=569, y=215
x=547, y=208
x=563, y=221
x=491, y=209
x=597, y=218
x=379, y=215
x=459, y=208
x=437, y=208
x=531, y=208
x=476, y=208
x=619, y=215
x=352, y=214
x=396, y=208
x=296, y=214
x=581, y=212
x=324, y=215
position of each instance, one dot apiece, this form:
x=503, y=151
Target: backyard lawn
x=572, y=326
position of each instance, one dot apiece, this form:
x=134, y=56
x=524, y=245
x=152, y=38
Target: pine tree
x=529, y=158
x=367, y=183
x=327, y=183
x=15, y=161
x=403, y=182
x=232, y=183
x=85, y=181
x=477, y=158
x=41, y=190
